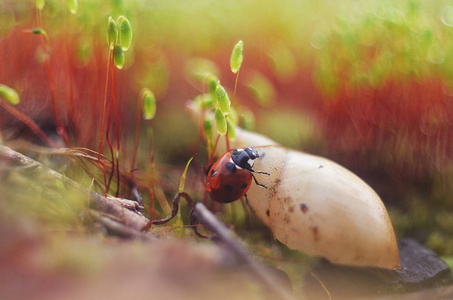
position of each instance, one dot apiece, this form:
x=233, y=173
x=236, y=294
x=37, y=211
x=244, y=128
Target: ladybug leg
x=256, y=181
x=259, y=172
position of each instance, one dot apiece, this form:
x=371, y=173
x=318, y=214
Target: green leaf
x=236, y=57
x=212, y=84
x=148, y=104
x=222, y=99
x=111, y=32
x=73, y=6
x=231, y=131
x=124, y=33
x=9, y=94
x=220, y=121
x=40, y=4
x=118, y=57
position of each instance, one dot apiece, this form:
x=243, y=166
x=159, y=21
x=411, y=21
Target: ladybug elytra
x=231, y=176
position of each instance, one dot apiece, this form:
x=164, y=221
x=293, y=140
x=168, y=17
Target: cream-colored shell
x=317, y=206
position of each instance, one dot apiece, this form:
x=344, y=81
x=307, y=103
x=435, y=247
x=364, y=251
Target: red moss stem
x=137, y=134
x=107, y=138
x=45, y=44
x=29, y=122
x=110, y=60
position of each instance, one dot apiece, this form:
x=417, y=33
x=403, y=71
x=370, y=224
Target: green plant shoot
x=183, y=177
x=118, y=57
x=212, y=84
x=39, y=31
x=149, y=105
x=124, y=33
x=220, y=121
x=9, y=94
x=111, y=32
x=236, y=57
x=73, y=6
x=40, y=4
x=222, y=99
x=231, y=131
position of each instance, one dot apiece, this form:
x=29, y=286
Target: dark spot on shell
x=286, y=219
x=230, y=167
x=304, y=207
x=315, y=231
x=287, y=200
x=243, y=186
x=228, y=187
x=321, y=166
x=291, y=208
x=213, y=173
x=268, y=213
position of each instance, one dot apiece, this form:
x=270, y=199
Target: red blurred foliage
x=79, y=87
x=402, y=127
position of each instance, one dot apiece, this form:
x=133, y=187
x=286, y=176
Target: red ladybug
x=231, y=176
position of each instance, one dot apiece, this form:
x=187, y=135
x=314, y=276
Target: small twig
x=205, y=217
x=119, y=229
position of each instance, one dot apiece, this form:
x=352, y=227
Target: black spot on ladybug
x=243, y=186
x=304, y=207
x=213, y=173
x=321, y=166
x=230, y=167
x=228, y=187
x=268, y=213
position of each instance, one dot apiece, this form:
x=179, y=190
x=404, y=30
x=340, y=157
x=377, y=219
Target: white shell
x=317, y=206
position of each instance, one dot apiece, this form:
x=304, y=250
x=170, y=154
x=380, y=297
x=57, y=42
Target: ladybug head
x=244, y=158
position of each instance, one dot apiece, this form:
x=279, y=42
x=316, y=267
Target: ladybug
x=231, y=176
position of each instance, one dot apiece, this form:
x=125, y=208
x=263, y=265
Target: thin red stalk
x=69, y=77
x=110, y=58
x=117, y=140
x=71, y=90
x=227, y=140
x=45, y=44
x=29, y=122
x=117, y=147
x=235, y=87
x=151, y=188
x=211, y=158
x=110, y=146
x=137, y=134
x=60, y=128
